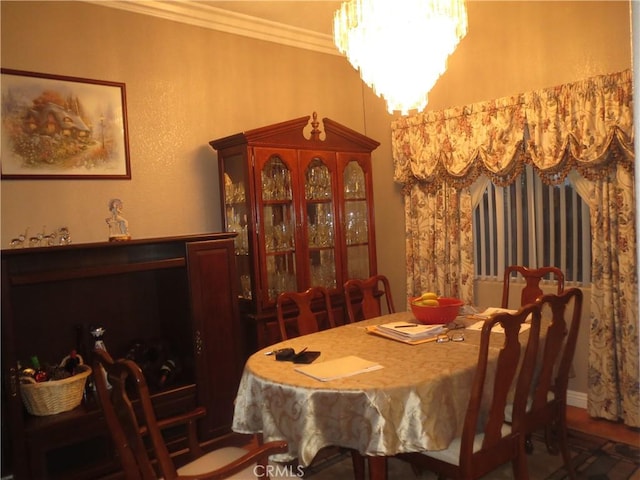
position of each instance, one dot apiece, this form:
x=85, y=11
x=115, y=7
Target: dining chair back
x=532, y=277
x=130, y=416
x=306, y=311
x=301, y=313
x=487, y=441
x=362, y=297
x=549, y=397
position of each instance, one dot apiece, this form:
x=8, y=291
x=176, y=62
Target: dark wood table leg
x=377, y=468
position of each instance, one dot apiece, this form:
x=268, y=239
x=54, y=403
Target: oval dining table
x=416, y=402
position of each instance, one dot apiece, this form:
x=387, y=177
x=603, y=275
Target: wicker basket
x=55, y=396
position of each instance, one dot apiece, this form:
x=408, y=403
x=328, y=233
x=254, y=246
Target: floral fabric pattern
x=613, y=350
x=555, y=129
x=585, y=126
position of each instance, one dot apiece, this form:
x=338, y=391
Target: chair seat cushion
x=217, y=459
x=452, y=453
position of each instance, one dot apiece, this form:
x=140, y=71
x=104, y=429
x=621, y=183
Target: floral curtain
x=439, y=241
x=585, y=128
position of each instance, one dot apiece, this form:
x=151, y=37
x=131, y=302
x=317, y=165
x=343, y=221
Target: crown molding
x=207, y=16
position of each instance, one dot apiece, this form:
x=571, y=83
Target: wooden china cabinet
x=301, y=201
x=168, y=297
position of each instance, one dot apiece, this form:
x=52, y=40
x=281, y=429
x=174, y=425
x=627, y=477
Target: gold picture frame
x=59, y=127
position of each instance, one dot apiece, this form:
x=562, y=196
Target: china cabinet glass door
x=238, y=215
x=356, y=220
x=279, y=226
x=319, y=209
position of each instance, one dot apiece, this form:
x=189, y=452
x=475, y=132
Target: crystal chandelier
x=400, y=47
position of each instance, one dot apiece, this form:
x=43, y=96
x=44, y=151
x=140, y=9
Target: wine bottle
x=98, y=334
x=168, y=371
x=70, y=363
x=82, y=349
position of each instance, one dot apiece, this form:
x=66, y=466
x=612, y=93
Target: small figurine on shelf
x=19, y=240
x=118, y=225
x=64, y=236
x=50, y=238
x=37, y=240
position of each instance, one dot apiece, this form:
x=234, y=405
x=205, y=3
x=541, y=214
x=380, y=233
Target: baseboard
x=576, y=399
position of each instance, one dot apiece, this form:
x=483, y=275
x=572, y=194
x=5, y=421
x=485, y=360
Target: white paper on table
x=497, y=328
x=338, y=368
x=411, y=331
x=489, y=312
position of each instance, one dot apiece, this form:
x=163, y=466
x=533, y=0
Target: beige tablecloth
x=416, y=402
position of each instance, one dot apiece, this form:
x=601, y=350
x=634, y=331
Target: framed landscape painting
x=56, y=127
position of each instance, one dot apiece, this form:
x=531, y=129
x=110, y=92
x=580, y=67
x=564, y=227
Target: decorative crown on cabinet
x=301, y=202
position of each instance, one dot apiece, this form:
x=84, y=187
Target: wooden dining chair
x=133, y=426
x=362, y=297
x=301, y=313
x=487, y=441
x=532, y=277
x=309, y=310
x=548, y=404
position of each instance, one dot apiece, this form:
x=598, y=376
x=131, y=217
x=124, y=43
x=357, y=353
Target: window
x=532, y=224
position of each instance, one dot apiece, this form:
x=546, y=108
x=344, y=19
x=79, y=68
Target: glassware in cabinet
x=237, y=216
x=356, y=220
x=319, y=208
x=278, y=224
x=299, y=197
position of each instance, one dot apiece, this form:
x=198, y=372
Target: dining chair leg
x=551, y=438
x=563, y=442
x=520, y=471
x=377, y=468
x=357, y=461
x=519, y=463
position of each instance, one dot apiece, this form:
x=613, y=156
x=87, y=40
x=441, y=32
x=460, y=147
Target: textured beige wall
x=187, y=85
x=515, y=47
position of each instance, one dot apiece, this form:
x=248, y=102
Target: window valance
x=587, y=125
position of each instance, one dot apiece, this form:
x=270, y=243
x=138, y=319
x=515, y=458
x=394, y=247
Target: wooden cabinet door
x=217, y=331
x=14, y=454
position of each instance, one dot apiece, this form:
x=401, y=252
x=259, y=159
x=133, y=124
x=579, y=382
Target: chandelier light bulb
x=400, y=48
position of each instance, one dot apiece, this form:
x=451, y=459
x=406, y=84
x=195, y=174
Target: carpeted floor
x=594, y=459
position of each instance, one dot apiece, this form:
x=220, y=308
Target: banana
x=429, y=296
x=428, y=302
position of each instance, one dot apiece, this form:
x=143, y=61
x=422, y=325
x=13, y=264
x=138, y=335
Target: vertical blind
x=532, y=224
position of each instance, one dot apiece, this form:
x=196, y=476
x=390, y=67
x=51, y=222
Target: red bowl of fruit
x=445, y=311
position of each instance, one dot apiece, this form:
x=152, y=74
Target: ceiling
x=303, y=24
